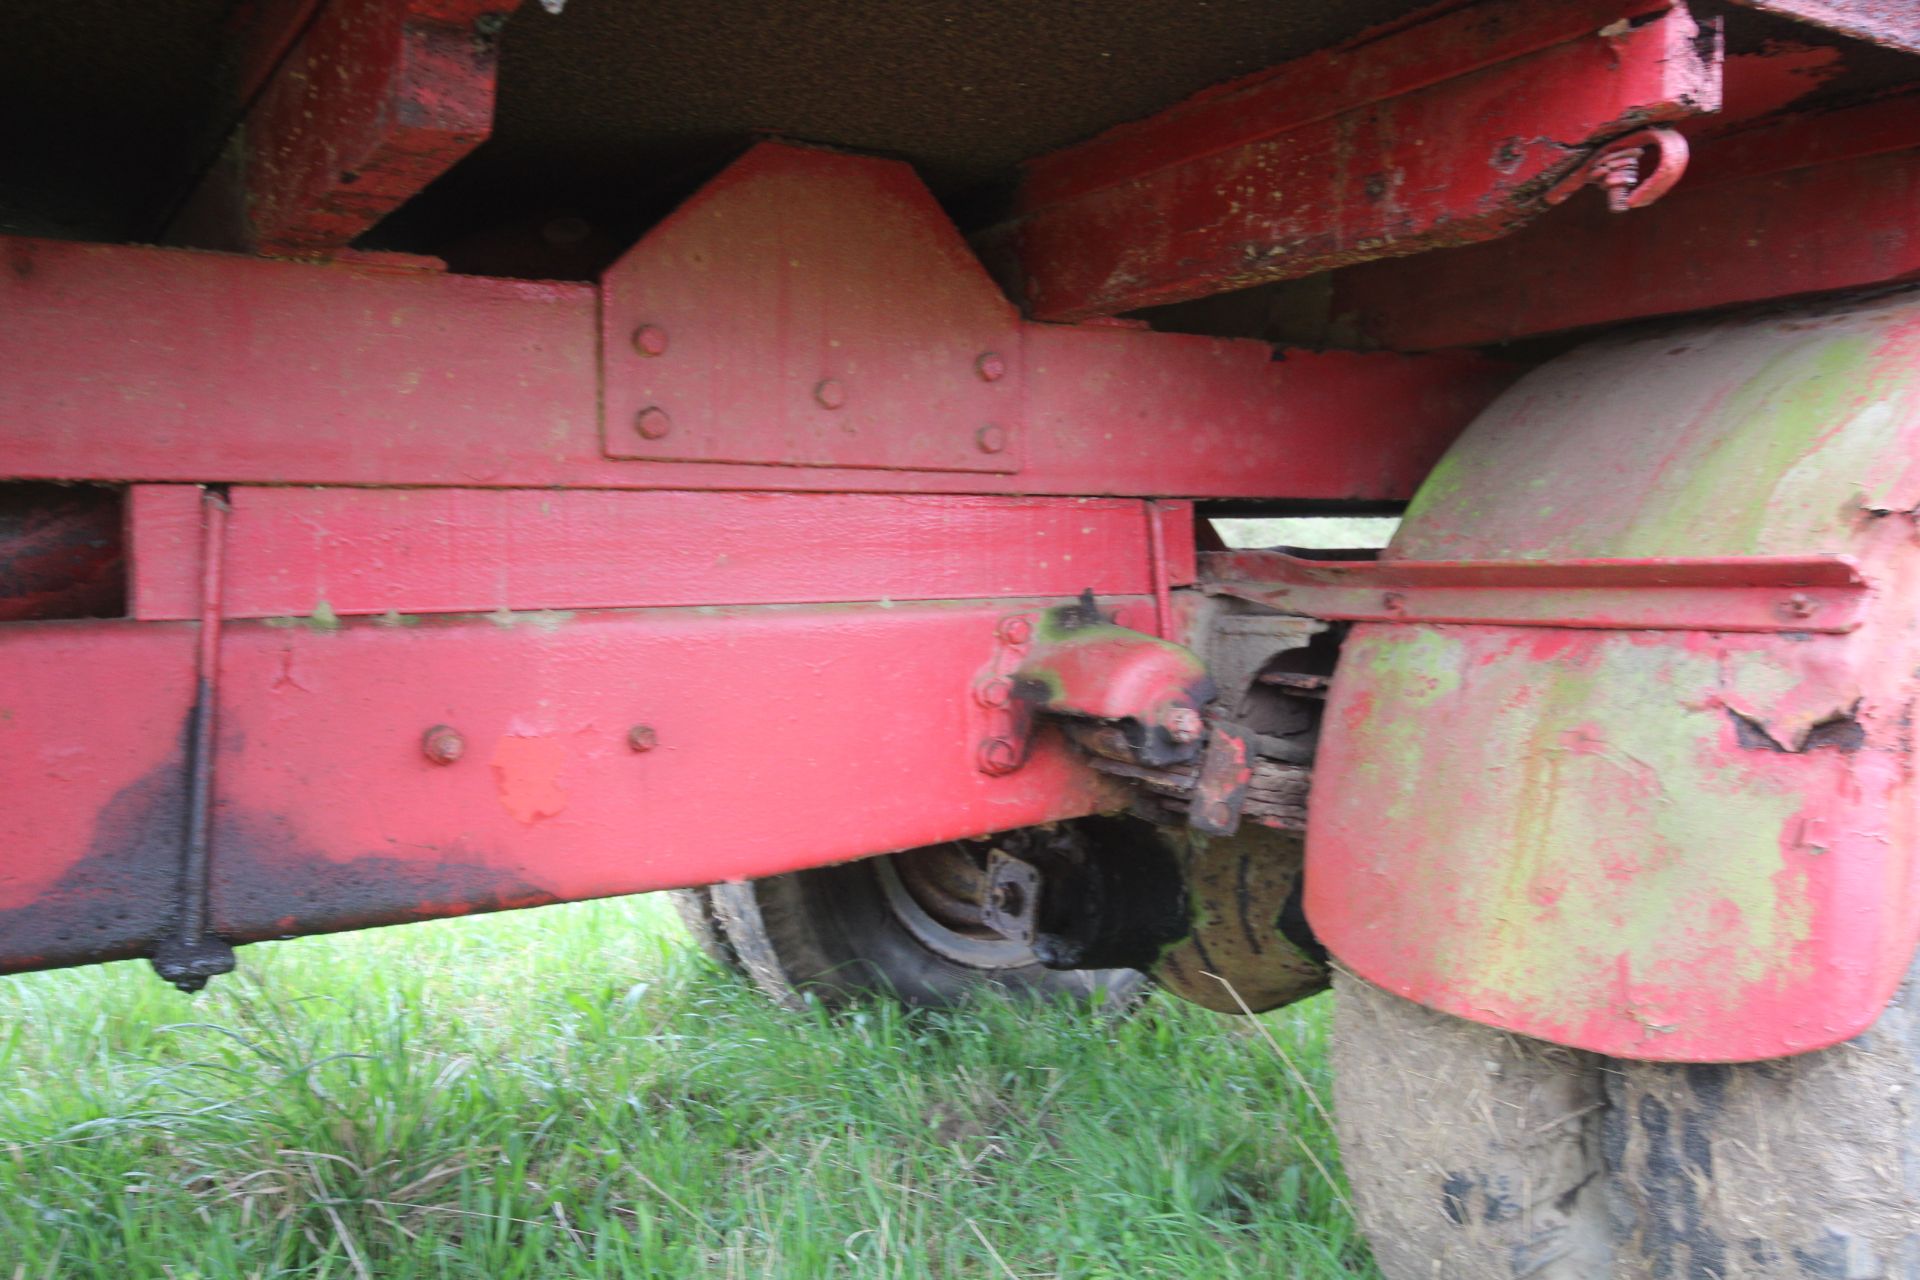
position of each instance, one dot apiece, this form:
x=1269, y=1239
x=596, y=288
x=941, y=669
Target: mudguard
x=1673, y=845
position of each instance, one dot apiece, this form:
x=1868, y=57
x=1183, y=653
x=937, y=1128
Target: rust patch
x=120, y=900
x=1843, y=732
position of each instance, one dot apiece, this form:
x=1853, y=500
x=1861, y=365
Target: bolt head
x=830, y=393
x=650, y=340
x=999, y=756
x=652, y=423
x=1183, y=724
x=1393, y=602
x=442, y=744
x=991, y=438
x=1016, y=630
x=991, y=366
x=996, y=692
x=1799, y=606
x=642, y=737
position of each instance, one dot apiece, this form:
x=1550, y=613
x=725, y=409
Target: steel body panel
x=200, y=367
x=781, y=738
x=1668, y=845
x=340, y=552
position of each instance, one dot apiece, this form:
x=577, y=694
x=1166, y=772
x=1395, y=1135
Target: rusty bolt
x=650, y=340
x=1016, y=630
x=996, y=692
x=652, y=423
x=442, y=744
x=642, y=737
x=1183, y=724
x=829, y=393
x=1799, y=606
x=998, y=756
x=1393, y=601
x=990, y=366
x=991, y=438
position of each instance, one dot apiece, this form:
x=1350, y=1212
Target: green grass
x=575, y=1092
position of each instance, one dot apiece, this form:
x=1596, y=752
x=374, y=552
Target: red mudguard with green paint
x=1675, y=845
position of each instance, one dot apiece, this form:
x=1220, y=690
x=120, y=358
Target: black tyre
x=1476, y=1154
x=906, y=925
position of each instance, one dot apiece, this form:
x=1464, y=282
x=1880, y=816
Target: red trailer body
x=440, y=474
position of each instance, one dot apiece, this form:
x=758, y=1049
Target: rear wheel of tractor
x=907, y=925
x=1476, y=1154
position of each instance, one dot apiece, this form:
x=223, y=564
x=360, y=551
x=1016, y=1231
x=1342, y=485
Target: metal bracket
x=1226, y=775
x=1824, y=594
x=751, y=327
x=1615, y=168
x=1126, y=695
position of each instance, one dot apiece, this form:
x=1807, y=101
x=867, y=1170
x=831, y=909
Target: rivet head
x=650, y=340
x=996, y=692
x=991, y=438
x=999, y=756
x=990, y=366
x=442, y=744
x=642, y=737
x=1393, y=602
x=1016, y=630
x=829, y=393
x=1798, y=605
x=652, y=423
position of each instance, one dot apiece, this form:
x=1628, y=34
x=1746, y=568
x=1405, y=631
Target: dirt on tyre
x=906, y=926
x=1477, y=1154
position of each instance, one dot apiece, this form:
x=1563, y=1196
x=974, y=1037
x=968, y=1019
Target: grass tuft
x=576, y=1092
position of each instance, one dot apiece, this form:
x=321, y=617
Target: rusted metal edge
x=1892, y=24
x=1824, y=594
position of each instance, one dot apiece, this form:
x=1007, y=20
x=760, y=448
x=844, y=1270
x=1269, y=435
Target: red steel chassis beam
x=351, y=108
x=1795, y=205
x=1308, y=166
x=514, y=651
x=133, y=364
x=369, y=771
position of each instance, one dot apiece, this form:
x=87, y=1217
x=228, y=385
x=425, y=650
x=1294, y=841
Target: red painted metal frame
x=780, y=737
x=1804, y=594
x=1310, y=166
x=374, y=100
x=1754, y=218
x=205, y=367
x=345, y=552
